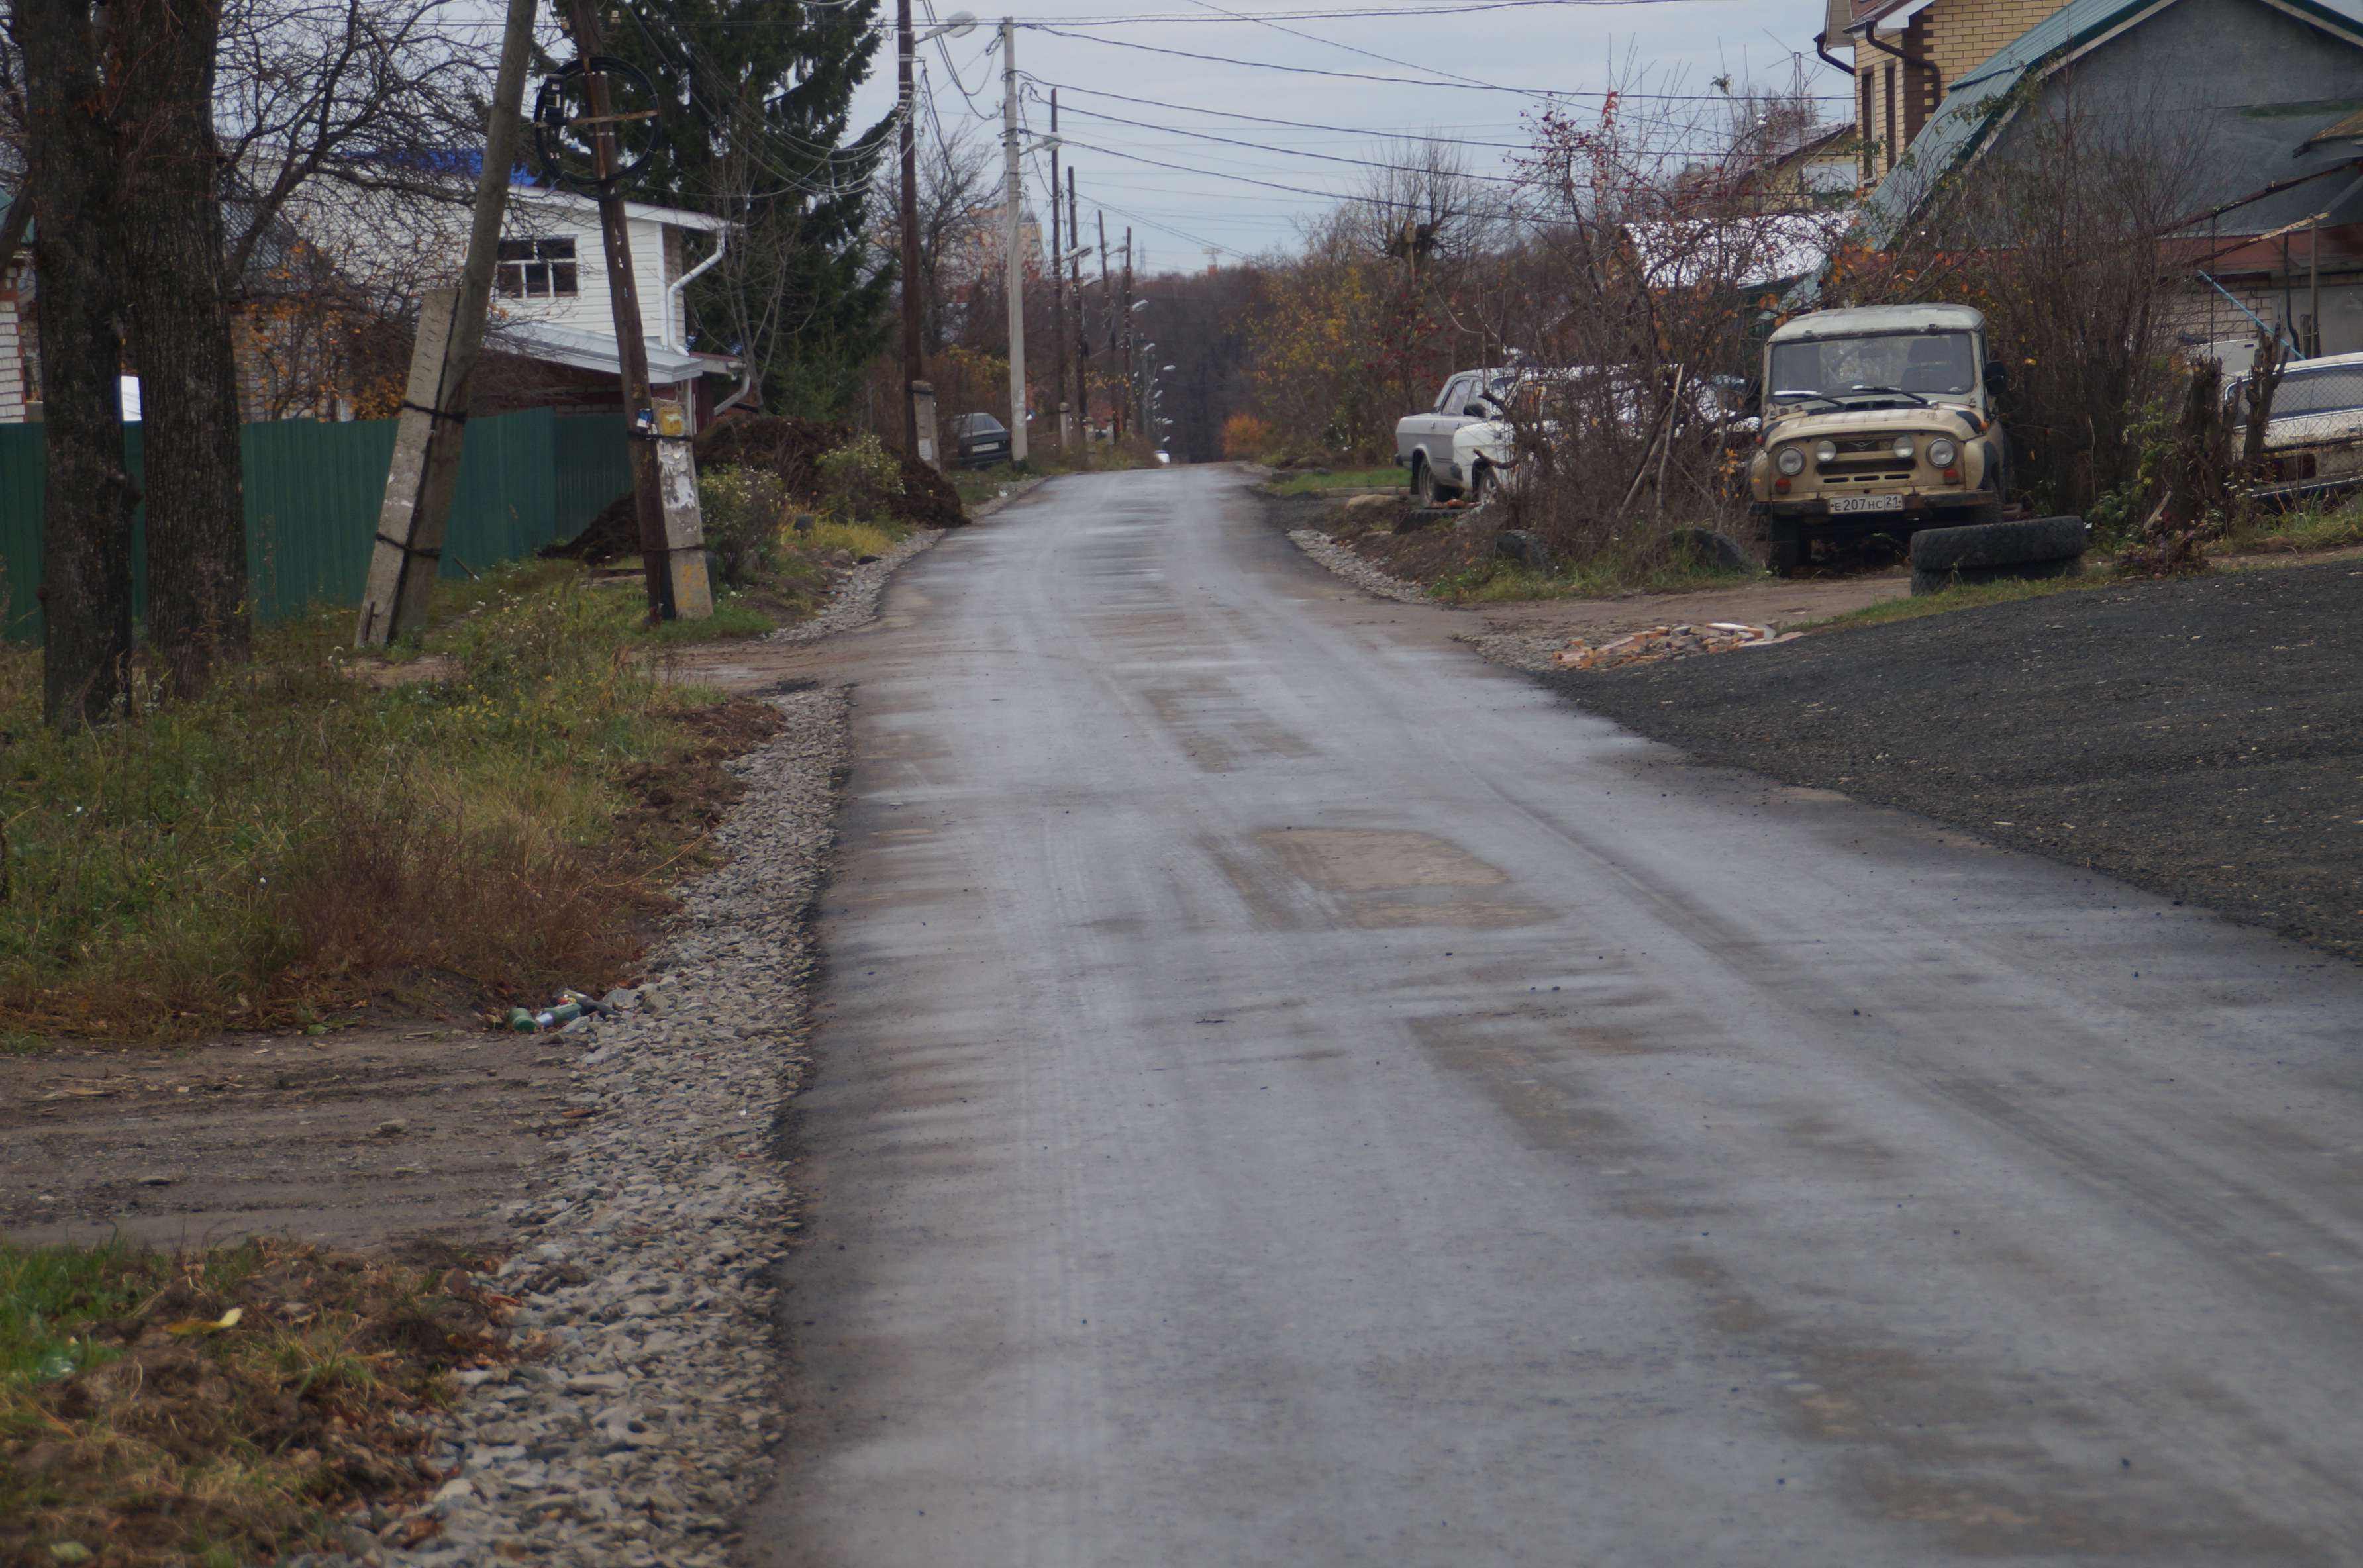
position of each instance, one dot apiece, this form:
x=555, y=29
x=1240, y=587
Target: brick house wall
x=1892, y=99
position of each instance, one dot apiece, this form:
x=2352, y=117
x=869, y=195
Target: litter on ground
x=1668, y=642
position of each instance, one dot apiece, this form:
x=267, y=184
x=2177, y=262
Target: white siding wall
x=656, y=263
x=12, y=357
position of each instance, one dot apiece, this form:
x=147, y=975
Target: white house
x=551, y=298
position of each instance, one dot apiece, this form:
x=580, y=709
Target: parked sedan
x=2314, y=441
x=981, y=441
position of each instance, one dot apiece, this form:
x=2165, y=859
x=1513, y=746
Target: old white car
x=1423, y=441
x=2314, y=440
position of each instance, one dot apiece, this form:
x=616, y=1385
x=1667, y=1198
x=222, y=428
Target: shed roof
x=1981, y=100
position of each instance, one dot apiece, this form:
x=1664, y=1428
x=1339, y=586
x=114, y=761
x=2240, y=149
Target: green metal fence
x=312, y=497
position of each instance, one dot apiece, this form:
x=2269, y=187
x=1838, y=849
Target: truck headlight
x=1826, y=451
x=1903, y=448
x=1791, y=461
x=1942, y=454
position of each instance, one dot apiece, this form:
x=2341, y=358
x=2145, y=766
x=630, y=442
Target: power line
x=1268, y=120
x=1292, y=152
x=1548, y=97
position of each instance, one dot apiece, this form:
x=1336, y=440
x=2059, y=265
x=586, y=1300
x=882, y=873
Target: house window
x=537, y=268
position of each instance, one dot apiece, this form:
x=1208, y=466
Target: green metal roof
x=1981, y=100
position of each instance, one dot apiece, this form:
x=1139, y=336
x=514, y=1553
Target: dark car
x=981, y=441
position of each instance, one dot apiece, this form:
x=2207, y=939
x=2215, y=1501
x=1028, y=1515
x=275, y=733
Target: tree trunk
x=87, y=502
x=179, y=307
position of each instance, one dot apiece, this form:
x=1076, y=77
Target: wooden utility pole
x=914, y=368
x=1083, y=326
x=1125, y=319
x=434, y=424
x=1107, y=305
x=1011, y=195
x=1058, y=285
x=673, y=548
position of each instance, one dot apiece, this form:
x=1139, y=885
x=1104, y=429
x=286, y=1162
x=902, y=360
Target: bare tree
x=1651, y=247
x=957, y=176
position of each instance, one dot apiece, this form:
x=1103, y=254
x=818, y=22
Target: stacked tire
x=1989, y=552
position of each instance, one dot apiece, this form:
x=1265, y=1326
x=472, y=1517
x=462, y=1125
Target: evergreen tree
x=754, y=100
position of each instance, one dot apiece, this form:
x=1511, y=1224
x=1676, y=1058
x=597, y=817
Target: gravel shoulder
x=2201, y=738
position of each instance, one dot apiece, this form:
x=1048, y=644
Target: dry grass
x=186, y=1436
x=256, y=856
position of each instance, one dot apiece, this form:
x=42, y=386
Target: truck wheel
x=1998, y=543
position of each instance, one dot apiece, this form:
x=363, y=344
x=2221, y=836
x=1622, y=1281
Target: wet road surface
x=1291, y=1093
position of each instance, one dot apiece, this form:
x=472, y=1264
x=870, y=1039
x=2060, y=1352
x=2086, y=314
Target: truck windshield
x=1932, y=364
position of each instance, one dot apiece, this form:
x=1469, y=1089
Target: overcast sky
x=1441, y=63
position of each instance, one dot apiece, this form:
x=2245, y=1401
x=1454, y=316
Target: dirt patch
x=1435, y=551
x=687, y=792
x=353, y=1138
x=1770, y=603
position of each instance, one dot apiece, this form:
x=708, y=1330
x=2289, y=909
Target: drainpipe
x=673, y=296
x=1821, y=47
x=745, y=386
x=1870, y=35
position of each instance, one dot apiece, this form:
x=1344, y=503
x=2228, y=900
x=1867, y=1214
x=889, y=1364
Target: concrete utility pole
x=1017, y=278
x=417, y=506
x=672, y=540
x=1058, y=281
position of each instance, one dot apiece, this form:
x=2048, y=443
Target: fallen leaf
x=189, y=1326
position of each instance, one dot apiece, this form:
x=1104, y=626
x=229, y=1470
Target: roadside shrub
x=744, y=509
x=858, y=479
x=1247, y=439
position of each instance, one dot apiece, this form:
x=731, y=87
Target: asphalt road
x=1293, y=1094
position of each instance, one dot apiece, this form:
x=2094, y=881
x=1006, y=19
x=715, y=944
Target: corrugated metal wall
x=312, y=497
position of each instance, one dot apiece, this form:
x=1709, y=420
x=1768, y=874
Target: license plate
x=1866, y=504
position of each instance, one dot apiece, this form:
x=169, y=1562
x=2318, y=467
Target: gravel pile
x=1359, y=572
x=1518, y=650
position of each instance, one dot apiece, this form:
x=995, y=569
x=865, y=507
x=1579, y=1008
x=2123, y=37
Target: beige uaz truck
x=1877, y=421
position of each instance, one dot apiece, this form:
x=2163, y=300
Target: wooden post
x=677, y=586
x=434, y=424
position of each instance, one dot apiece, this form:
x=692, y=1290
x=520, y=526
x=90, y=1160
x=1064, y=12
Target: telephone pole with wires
x=1083, y=322
x=1058, y=283
x=1011, y=195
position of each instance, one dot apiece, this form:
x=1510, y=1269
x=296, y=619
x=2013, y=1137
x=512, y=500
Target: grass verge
x=286, y=846
x=224, y=1408
x=2329, y=526
x=1963, y=596
x=1359, y=479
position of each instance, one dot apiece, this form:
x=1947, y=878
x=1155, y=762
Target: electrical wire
x=1550, y=96
x=1291, y=151
x=1268, y=120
